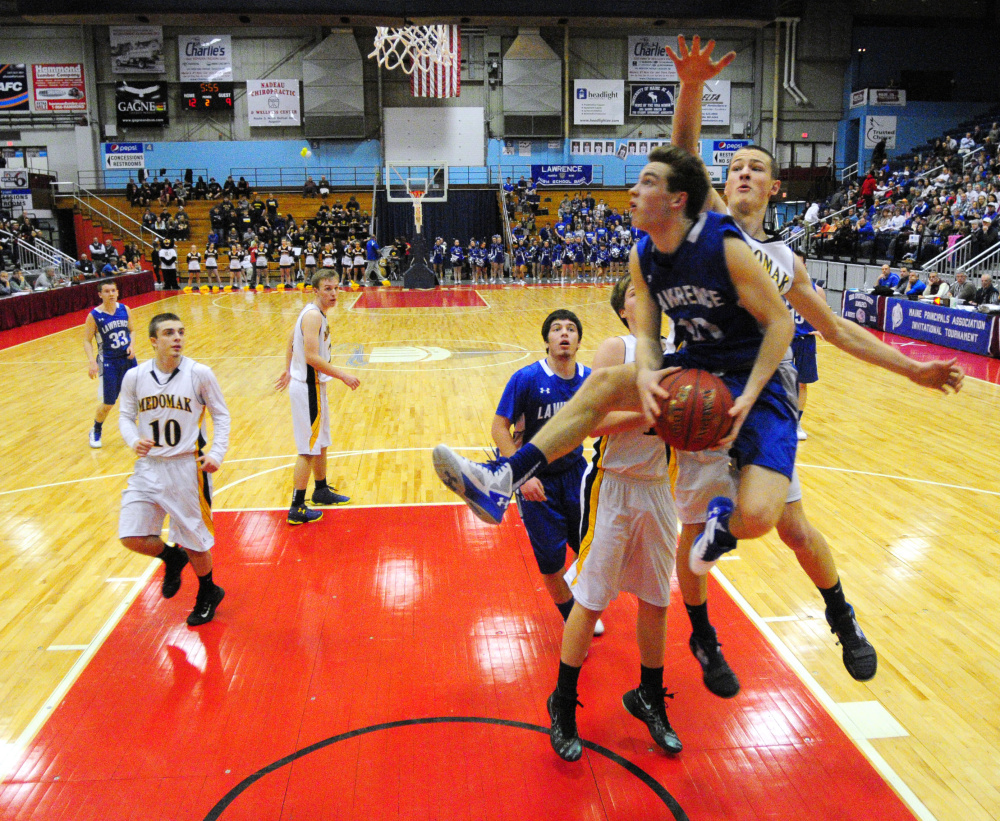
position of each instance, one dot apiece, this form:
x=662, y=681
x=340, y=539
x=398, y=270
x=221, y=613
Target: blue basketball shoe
x=485, y=487
x=716, y=540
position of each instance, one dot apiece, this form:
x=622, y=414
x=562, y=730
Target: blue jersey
x=437, y=255
x=371, y=250
x=692, y=286
x=532, y=397
x=496, y=253
x=456, y=253
x=112, y=330
x=802, y=328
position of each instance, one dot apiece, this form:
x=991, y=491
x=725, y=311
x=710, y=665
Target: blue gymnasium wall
x=220, y=157
x=916, y=123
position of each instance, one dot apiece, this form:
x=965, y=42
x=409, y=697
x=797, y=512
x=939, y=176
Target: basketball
x=696, y=416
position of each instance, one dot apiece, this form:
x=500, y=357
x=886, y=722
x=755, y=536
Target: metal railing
x=986, y=262
x=266, y=179
x=37, y=255
x=123, y=224
x=114, y=179
x=950, y=259
x=848, y=172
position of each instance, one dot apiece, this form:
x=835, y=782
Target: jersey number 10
x=171, y=432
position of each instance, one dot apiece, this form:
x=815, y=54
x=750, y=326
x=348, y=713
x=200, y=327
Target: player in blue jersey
x=804, y=354
x=730, y=319
x=751, y=183
x=549, y=502
x=109, y=325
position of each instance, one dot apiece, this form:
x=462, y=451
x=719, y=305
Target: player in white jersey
x=163, y=404
x=628, y=542
x=307, y=370
x=752, y=181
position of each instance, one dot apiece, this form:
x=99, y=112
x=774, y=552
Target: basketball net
x=412, y=47
x=418, y=210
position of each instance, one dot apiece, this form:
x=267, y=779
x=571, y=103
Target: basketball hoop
x=411, y=47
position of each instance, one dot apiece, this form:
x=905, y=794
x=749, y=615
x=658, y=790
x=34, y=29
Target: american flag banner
x=439, y=80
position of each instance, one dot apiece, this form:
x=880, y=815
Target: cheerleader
x=346, y=262
x=194, y=266
x=496, y=259
x=603, y=261
x=545, y=261
x=212, y=264
x=456, y=256
x=286, y=259
x=311, y=255
x=235, y=266
x=261, y=263
x=520, y=262
x=569, y=259
x=437, y=257
x=479, y=264
x=359, y=261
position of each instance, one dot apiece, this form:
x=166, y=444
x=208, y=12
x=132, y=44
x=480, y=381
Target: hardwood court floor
x=902, y=481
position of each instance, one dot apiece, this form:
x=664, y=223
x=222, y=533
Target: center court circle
x=425, y=354
x=669, y=803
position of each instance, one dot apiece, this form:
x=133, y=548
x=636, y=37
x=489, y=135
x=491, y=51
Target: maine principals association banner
x=274, y=103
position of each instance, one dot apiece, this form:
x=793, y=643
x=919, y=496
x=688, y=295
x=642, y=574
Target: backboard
x=402, y=180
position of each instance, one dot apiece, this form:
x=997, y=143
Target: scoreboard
x=207, y=96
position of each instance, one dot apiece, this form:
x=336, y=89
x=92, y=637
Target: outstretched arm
x=694, y=67
x=940, y=374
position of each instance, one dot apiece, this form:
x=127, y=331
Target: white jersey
x=299, y=369
x=777, y=258
x=638, y=453
x=169, y=408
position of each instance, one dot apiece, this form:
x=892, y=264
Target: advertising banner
x=13, y=87
x=715, y=102
x=137, y=50
x=965, y=330
x=13, y=178
x=562, y=174
x=879, y=128
x=141, y=104
x=651, y=100
x=648, y=59
x=273, y=103
x=723, y=150
x=859, y=98
x=118, y=156
x=599, y=102
x=59, y=87
x=861, y=308
x=205, y=58
x=887, y=96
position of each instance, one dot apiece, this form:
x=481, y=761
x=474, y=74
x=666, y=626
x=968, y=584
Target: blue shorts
x=112, y=373
x=554, y=523
x=804, y=353
x=768, y=437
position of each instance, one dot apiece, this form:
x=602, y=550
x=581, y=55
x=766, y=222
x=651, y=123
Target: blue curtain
x=466, y=214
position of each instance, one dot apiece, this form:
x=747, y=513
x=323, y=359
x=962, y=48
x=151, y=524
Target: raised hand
x=695, y=65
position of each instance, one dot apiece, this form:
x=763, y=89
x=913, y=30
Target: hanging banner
x=648, y=58
x=887, y=96
x=599, y=102
x=880, y=128
x=859, y=98
x=137, y=50
x=124, y=155
x=562, y=174
x=273, y=103
x=205, y=58
x=13, y=87
x=141, y=104
x=59, y=87
x=651, y=100
x=715, y=105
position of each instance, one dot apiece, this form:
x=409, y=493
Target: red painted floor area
x=332, y=683
x=36, y=330
x=437, y=298
x=981, y=367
